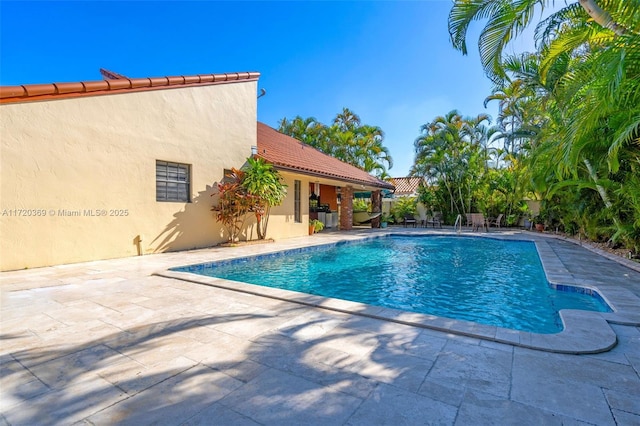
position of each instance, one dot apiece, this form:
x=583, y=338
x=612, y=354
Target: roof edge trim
x=35, y=92
x=331, y=176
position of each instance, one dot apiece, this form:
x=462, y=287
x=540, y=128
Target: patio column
x=376, y=207
x=346, y=208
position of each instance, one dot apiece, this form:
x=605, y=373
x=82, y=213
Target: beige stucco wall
x=282, y=222
x=91, y=155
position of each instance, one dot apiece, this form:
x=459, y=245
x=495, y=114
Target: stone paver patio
x=108, y=342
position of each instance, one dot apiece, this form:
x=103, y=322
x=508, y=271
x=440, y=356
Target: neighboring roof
x=406, y=185
x=115, y=83
x=287, y=153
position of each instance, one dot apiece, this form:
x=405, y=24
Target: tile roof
x=406, y=185
x=115, y=83
x=287, y=153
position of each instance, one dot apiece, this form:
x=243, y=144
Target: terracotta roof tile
x=406, y=185
x=68, y=87
x=115, y=83
x=39, y=89
x=176, y=80
x=119, y=84
x=191, y=79
x=94, y=86
x=287, y=153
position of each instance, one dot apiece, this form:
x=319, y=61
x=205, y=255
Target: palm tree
x=583, y=86
x=508, y=19
x=347, y=120
x=306, y=130
x=371, y=155
x=448, y=155
x=511, y=98
x=347, y=139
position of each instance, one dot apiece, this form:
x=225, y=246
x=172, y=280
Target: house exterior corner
x=80, y=174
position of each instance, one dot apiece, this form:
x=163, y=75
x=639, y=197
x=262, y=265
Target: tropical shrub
x=403, y=206
x=253, y=190
x=570, y=110
x=361, y=205
x=233, y=204
x=262, y=183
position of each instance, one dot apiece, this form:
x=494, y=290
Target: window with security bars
x=173, y=181
x=297, y=213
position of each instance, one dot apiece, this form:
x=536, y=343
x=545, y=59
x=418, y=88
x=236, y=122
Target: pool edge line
x=574, y=339
x=581, y=328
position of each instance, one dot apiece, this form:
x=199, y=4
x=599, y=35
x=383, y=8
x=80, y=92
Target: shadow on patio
x=311, y=367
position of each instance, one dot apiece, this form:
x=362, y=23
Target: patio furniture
x=468, y=219
x=433, y=220
x=409, y=219
x=478, y=221
x=360, y=217
x=495, y=222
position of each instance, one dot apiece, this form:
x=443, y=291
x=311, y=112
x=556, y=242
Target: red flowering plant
x=233, y=204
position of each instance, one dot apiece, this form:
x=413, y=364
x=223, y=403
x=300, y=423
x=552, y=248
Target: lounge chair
x=433, y=220
x=409, y=219
x=495, y=222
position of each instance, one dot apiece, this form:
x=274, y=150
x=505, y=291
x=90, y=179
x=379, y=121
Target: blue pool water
x=483, y=280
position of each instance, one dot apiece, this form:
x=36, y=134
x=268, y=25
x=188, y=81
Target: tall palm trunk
x=602, y=17
x=601, y=191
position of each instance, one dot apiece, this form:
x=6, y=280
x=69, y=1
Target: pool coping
x=584, y=332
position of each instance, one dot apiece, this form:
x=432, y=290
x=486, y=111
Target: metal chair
x=433, y=220
x=409, y=219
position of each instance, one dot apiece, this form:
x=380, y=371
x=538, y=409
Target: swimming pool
x=483, y=280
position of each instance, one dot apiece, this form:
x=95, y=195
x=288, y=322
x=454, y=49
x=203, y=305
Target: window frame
x=168, y=174
x=297, y=201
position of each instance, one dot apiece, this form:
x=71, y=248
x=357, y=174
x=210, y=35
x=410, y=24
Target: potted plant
x=539, y=222
x=315, y=226
x=384, y=220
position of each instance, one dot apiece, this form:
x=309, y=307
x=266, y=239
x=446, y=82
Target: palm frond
x=505, y=21
x=463, y=13
x=548, y=28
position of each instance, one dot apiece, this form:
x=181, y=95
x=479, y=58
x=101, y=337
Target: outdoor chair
x=409, y=219
x=478, y=221
x=433, y=220
x=495, y=222
x=469, y=220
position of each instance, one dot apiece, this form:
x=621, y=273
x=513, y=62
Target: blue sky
x=389, y=62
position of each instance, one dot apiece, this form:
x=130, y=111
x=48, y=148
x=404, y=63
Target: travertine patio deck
x=109, y=343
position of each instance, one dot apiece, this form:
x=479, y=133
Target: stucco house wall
x=78, y=175
x=282, y=222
